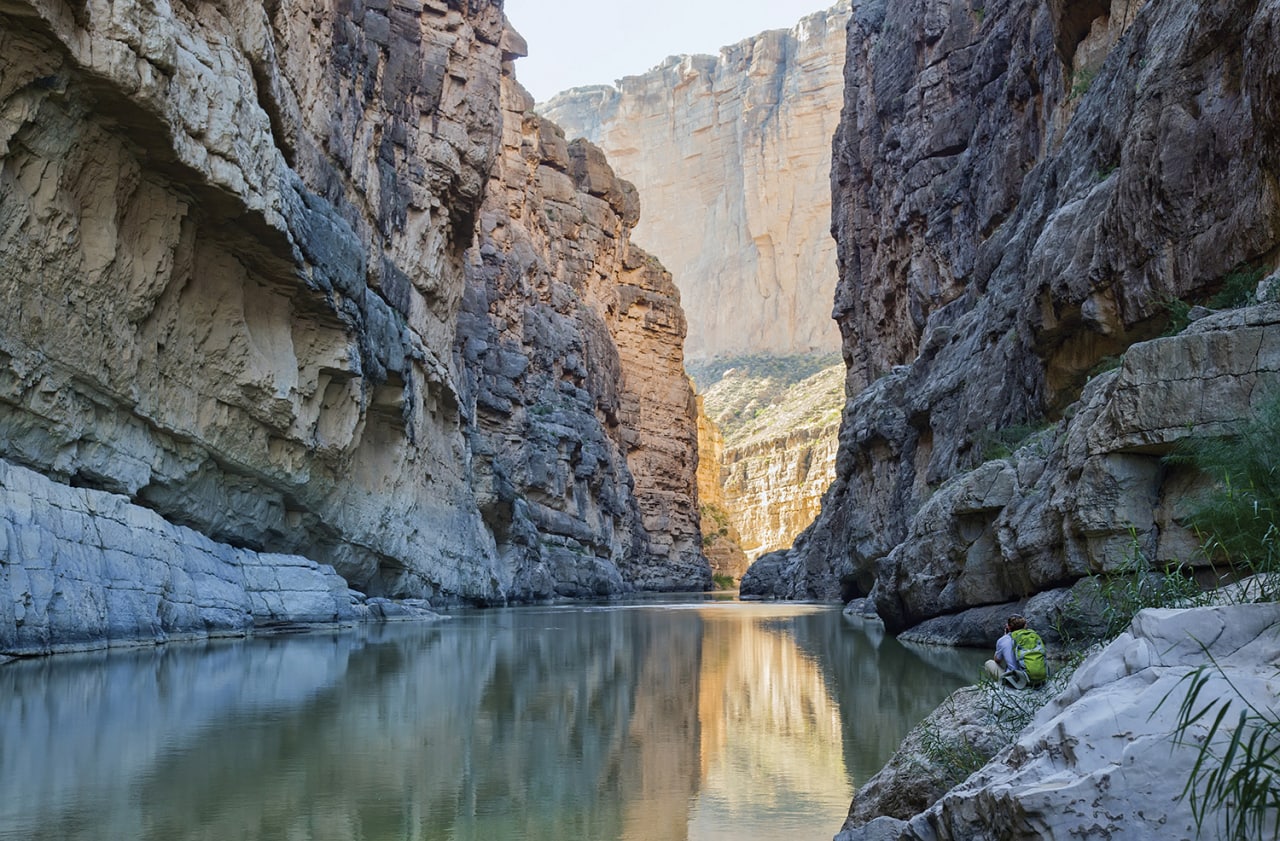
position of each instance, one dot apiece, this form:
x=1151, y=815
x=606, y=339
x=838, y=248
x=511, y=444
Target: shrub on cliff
x=1237, y=520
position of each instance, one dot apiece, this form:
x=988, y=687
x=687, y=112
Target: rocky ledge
x=104, y=572
x=1103, y=758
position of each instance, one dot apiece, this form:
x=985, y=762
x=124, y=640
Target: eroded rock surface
x=232, y=271
x=233, y=249
x=584, y=436
x=99, y=570
x=731, y=155
x=1018, y=192
x=720, y=538
x=1103, y=758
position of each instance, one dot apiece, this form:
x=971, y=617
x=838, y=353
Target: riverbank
x=1102, y=756
x=102, y=572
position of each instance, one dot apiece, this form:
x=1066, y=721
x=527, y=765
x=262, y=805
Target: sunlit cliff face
x=731, y=155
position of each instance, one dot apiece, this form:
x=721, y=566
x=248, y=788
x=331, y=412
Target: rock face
x=584, y=434
x=774, y=424
x=778, y=465
x=233, y=273
x=731, y=155
x=1018, y=190
x=245, y=323
x=720, y=538
x=1101, y=759
x=1086, y=496
x=101, y=570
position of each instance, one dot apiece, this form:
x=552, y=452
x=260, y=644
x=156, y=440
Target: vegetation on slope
x=756, y=398
x=1237, y=522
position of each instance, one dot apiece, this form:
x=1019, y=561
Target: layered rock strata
x=1019, y=189
x=774, y=486
x=584, y=439
x=244, y=318
x=1095, y=494
x=1104, y=758
x=777, y=465
x=721, y=541
x=731, y=154
x=100, y=570
x=233, y=274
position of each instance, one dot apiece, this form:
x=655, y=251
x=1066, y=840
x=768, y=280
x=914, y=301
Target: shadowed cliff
x=1019, y=190
x=235, y=241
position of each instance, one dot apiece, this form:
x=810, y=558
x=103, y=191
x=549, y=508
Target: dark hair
x=1016, y=622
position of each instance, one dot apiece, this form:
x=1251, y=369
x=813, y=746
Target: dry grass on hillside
x=760, y=398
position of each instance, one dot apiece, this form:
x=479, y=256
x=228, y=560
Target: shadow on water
x=660, y=720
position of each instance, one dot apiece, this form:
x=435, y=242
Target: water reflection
x=652, y=722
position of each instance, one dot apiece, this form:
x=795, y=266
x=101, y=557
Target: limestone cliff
x=780, y=419
x=584, y=437
x=233, y=248
x=731, y=155
x=720, y=538
x=1019, y=188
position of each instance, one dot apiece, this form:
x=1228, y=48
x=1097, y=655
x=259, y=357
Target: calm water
x=657, y=721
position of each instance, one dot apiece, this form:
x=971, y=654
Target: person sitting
x=1019, y=660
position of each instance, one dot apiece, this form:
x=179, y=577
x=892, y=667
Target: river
x=657, y=720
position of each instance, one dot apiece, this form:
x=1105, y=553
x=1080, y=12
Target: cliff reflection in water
x=651, y=723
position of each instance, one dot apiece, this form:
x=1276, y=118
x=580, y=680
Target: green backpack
x=1029, y=649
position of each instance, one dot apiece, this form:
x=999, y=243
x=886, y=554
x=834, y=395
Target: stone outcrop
x=731, y=155
x=1019, y=189
x=101, y=570
x=1103, y=758
x=584, y=435
x=1093, y=493
x=234, y=247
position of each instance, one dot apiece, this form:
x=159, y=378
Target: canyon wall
x=780, y=419
x=774, y=485
x=233, y=274
x=1019, y=189
x=584, y=438
x=731, y=155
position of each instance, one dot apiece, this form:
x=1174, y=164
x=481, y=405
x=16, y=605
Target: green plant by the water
x=724, y=581
x=953, y=755
x=1241, y=782
x=1103, y=605
x=1008, y=710
x=1134, y=586
x=1013, y=709
x=1237, y=784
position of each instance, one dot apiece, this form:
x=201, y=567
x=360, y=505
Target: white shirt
x=1005, y=653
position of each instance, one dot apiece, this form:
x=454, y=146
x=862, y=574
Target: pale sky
x=594, y=42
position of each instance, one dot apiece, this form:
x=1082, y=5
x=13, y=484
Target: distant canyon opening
x=731, y=155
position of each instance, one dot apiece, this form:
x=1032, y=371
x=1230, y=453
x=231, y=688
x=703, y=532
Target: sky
x=594, y=42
